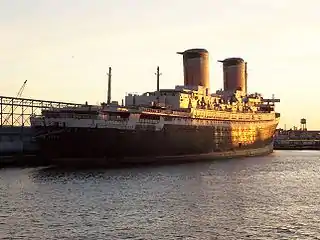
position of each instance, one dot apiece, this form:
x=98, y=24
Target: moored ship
x=186, y=123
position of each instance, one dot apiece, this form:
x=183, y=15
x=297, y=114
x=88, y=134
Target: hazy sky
x=64, y=47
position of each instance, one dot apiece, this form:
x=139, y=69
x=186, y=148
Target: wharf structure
x=297, y=138
x=16, y=134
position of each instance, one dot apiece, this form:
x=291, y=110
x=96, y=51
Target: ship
x=185, y=123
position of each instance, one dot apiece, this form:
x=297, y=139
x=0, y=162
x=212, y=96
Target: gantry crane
x=18, y=95
x=22, y=88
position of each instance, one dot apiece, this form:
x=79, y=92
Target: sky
x=64, y=48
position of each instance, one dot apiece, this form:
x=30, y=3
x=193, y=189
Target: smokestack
x=109, y=86
x=234, y=74
x=196, y=67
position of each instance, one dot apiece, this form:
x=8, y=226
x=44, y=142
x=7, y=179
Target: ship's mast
x=109, y=86
x=158, y=74
x=246, y=76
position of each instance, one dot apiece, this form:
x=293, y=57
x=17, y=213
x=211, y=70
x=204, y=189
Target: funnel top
x=232, y=61
x=194, y=50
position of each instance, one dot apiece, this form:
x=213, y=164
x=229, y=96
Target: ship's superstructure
x=185, y=121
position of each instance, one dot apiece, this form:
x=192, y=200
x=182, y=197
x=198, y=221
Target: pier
x=16, y=135
x=301, y=144
x=16, y=111
x=297, y=139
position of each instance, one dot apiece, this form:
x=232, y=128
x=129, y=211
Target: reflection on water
x=255, y=198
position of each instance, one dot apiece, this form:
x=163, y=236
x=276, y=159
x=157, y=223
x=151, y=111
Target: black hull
x=160, y=160
x=106, y=146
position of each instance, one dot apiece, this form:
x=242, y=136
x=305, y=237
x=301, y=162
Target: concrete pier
x=17, y=146
x=16, y=140
x=297, y=140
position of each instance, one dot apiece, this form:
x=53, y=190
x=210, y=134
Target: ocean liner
x=187, y=123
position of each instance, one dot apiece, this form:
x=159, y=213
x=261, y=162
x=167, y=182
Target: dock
x=302, y=144
x=17, y=144
x=301, y=139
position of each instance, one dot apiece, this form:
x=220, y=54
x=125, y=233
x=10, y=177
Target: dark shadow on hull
x=104, y=164
x=94, y=147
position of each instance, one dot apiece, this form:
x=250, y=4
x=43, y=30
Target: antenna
x=246, y=75
x=158, y=74
x=109, y=86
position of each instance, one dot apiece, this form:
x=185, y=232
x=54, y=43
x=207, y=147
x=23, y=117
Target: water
x=272, y=197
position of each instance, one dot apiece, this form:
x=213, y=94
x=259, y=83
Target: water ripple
x=273, y=197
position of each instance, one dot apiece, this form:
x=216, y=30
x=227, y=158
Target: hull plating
x=181, y=143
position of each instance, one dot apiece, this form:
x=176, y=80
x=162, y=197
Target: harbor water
x=271, y=197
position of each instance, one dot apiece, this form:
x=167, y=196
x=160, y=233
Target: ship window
x=149, y=117
x=119, y=115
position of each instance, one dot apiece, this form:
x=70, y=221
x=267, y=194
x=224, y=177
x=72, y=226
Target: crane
x=18, y=95
x=22, y=88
